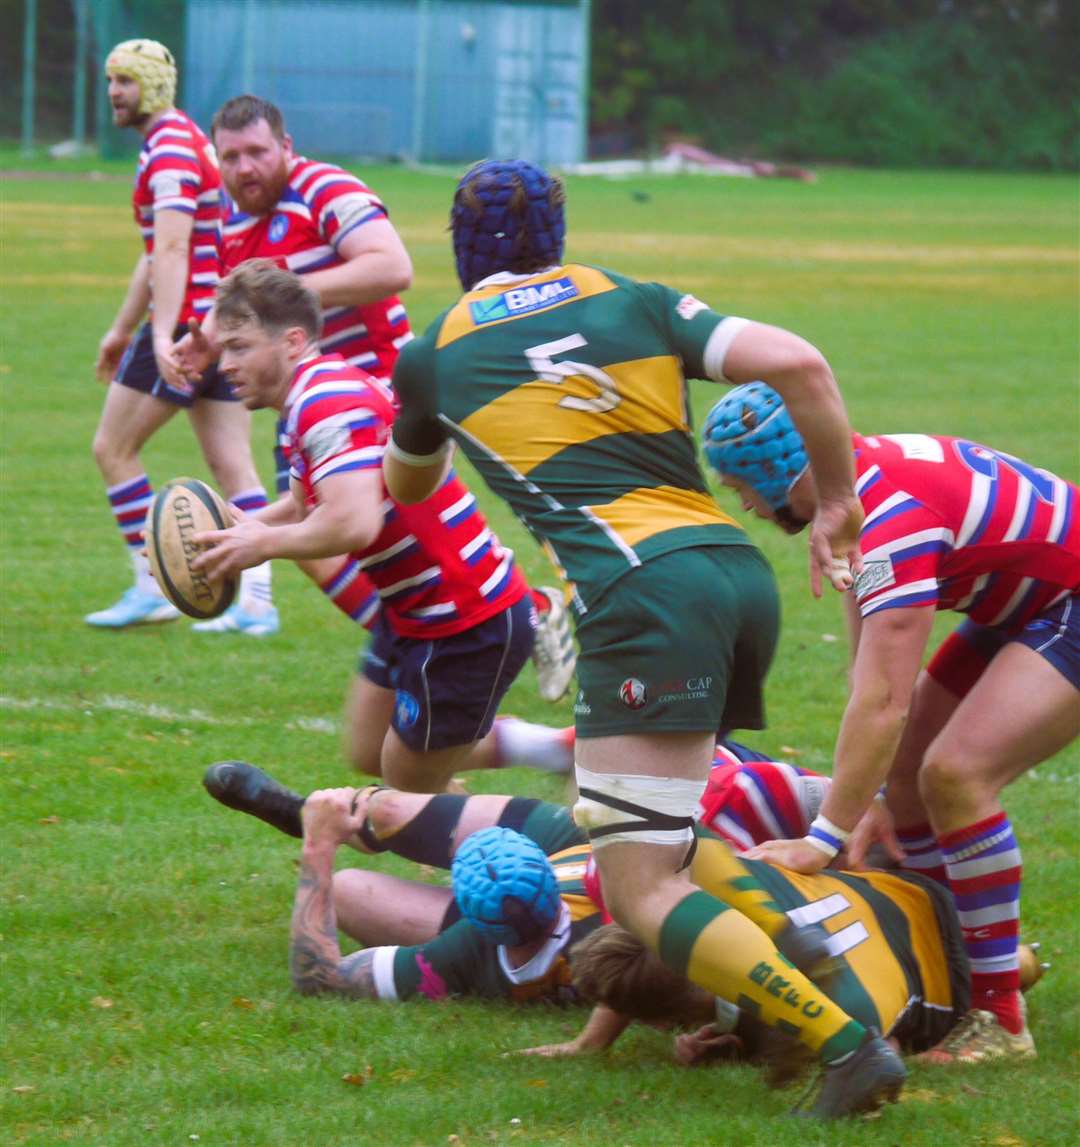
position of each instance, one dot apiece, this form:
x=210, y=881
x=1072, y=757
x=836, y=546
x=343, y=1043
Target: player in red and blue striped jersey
x=949, y=524
x=177, y=205
x=456, y=623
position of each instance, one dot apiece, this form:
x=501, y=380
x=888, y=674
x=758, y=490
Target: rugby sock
x=921, y=852
x=255, y=595
x=728, y=955
x=540, y=600
x=984, y=868
x=353, y=592
x=535, y=746
x=129, y=501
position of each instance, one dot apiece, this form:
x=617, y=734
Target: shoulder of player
x=324, y=390
x=313, y=179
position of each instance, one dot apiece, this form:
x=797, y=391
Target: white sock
x=145, y=582
x=535, y=746
x=255, y=596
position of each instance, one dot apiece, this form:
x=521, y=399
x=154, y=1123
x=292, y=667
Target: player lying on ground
x=329, y=227
x=522, y=913
x=456, y=623
x=177, y=207
x=952, y=525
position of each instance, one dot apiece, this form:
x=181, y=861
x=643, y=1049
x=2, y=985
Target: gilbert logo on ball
x=633, y=694
x=181, y=509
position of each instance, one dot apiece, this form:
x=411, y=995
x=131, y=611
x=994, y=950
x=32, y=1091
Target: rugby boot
x=978, y=1038
x=237, y=620
x=136, y=607
x=553, y=650
x=871, y=1075
x=241, y=786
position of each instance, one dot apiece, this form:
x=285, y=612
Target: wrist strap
x=826, y=836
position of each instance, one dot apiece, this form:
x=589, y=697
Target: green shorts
x=680, y=644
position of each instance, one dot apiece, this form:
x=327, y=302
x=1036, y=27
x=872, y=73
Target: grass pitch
x=145, y=990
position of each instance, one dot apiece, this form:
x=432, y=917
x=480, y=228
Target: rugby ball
x=180, y=509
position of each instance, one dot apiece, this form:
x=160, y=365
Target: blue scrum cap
x=507, y=216
x=505, y=885
x=749, y=435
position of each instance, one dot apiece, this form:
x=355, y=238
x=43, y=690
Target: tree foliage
x=890, y=82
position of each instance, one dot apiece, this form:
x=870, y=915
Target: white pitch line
x=114, y=704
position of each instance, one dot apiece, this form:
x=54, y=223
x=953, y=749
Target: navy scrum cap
x=507, y=216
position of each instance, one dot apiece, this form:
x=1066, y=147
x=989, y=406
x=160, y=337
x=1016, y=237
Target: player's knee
x=947, y=773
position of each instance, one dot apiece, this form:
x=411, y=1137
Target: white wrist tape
x=826, y=836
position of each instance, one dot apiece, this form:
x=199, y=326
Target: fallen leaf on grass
x=359, y=1078
x=1009, y=1141
x=402, y=1074
x=101, y=1002
x=790, y=751
x=918, y=1095
x=243, y=1002
x=536, y=1083
x=23, y=1088
x=49, y=820
x=969, y=1089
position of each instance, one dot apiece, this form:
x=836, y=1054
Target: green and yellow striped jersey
x=567, y=391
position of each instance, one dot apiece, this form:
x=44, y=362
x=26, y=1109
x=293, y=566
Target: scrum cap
x=150, y=63
x=749, y=435
x=507, y=216
x=505, y=885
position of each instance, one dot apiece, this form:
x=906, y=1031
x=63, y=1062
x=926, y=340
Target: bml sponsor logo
x=523, y=301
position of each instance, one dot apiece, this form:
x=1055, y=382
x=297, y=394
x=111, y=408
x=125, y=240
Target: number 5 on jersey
x=541, y=360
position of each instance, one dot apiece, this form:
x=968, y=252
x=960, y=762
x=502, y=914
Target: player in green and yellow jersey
x=565, y=385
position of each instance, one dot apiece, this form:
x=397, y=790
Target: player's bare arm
x=411, y=478
x=347, y=519
x=376, y=266
x=168, y=280
x=315, y=961
x=799, y=373
x=886, y=666
x=601, y=1030
x=116, y=338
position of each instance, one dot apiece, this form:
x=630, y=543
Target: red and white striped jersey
x=437, y=566
x=178, y=171
x=320, y=205
x=956, y=525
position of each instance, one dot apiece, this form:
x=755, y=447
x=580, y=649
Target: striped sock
x=353, y=592
x=984, y=867
x=540, y=600
x=728, y=955
x=921, y=852
x=256, y=597
x=130, y=501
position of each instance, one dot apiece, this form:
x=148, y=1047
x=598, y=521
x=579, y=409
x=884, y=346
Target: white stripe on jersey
x=981, y=487
x=977, y=586
x=244, y=223
x=889, y=503
x=1061, y=501
x=1023, y=500
x=390, y=551
x=462, y=503
x=887, y=549
x=172, y=150
x=343, y=336
x=300, y=209
x=900, y=591
x=401, y=340
x=725, y=825
x=397, y=311
x=868, y=477
x=432, y=610
x=300, y=260
x=498, y=575
x=430, y=574
x=477, y=543
x=367, y=456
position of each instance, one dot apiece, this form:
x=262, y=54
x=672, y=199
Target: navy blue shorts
x=138, y=371
x=965, y=653
x=448, y=689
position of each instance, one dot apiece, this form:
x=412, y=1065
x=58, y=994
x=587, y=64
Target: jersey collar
x=502, y=278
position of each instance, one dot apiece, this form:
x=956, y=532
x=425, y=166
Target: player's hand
x=193, y=352
x=110, y=352
x=169, y=366
x=241, y=546
x=329, y=816
x=875, y=827
x=706, y=1044
x=834, y=544
x=794, y=854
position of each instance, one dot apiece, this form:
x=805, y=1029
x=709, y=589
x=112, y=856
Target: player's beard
x=260, y=198
x=124, y=115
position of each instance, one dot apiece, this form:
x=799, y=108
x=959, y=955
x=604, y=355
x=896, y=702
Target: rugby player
x=520, y=901
x=565, y=386
x=177, y=203
x=329, y=227
x=949, y=524
x=456, y=622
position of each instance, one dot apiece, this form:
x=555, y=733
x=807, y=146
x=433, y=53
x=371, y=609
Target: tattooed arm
x=315, y=961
